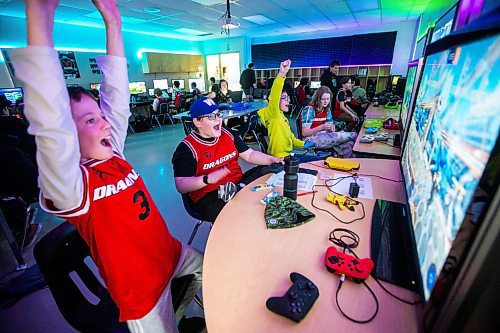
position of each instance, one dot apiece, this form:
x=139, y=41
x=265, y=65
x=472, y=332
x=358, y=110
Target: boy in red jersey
x=93, y=187
x=206, y=161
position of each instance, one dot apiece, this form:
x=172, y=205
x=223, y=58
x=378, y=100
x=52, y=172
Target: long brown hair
x=317, y=97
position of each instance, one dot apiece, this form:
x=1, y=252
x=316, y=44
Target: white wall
x=13, y=34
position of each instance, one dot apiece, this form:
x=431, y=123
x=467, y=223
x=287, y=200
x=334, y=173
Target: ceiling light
x=226, y=21
x=151, y=10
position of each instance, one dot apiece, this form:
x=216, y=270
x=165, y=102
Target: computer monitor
x=236, y=96
x=12, y=94
x=96, y=86
x=137, y=87
x=296, y=84
x=444, y=25
x=160, y=84
x=410, y=90
x=452, y=140
x=181, y=82
x=151, y=92
x=422, y=44
x=395, y=79
x=315, y=84
x=200, y=83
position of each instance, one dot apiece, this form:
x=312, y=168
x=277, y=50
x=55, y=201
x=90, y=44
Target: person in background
x=214, y=87
x=318, y=126
x=223, y=95
x=262, y=84
x=80, y=155
x=330, y=78
x=342, y=109
x=247, y=80
x=303, y=92
x=359, y=93
x=158, y=100
x=164, y=94
x=281, y=139
x=206, y=162
x=195, y=92
x=176, y=90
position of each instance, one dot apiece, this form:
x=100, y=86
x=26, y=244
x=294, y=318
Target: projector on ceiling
x=228, y=23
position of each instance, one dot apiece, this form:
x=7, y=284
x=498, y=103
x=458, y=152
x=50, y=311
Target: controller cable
x=348, y=241
x=327, y=185
x=354, y=172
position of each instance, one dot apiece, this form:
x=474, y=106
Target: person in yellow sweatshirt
x=281, y=138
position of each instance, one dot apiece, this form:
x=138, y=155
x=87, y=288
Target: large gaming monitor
x=412, y=82
x=452, y=139
x=160, y=84
x=12, y=94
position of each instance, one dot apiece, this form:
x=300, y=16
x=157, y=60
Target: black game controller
x=297, y=301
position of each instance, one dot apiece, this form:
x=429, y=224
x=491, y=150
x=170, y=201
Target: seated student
x=223, y=95
x=262, y=84
x=195, y=92
x=206, y=161
x=281, y=139
x=176, y=90
x=359, y=93
x=214, y=87
x=303, y=92
x=164, y=94
x=84, y=176
x=342, y=110
x=318, y=127
x=353, y=103
x=158, y=100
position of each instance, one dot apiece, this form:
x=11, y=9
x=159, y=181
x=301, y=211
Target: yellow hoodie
x=281, y=138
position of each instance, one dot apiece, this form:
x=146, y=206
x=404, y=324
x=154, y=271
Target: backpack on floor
x=141, y=124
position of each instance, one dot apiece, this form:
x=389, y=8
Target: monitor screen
x=407, y=96
x=151, y=92
x=452, y=132
x=420, y=48
x=315, y=84
x=200, y=83
x=395, y=79
x=181, y=82
x=12, y=94
x=161, y=84
x=96, y=86
x=137, y=87
x=444, y=25
x=296, y=84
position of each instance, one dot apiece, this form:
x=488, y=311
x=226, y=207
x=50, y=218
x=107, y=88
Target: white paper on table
x=365, y=186
x=305, y=183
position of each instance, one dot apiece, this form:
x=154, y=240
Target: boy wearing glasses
x=206, y=161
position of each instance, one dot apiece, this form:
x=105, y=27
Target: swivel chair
x=62, y=253
x=164, y=112
x=195, y=215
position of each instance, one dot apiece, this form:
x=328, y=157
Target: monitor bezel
x=466, y=35
x=454, y=22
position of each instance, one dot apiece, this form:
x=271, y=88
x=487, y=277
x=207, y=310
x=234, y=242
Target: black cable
x=339, y=241
x=376, y=176
x=358, y=321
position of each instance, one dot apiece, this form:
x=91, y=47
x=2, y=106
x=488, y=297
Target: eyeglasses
x=213, y=116
x=285, y=98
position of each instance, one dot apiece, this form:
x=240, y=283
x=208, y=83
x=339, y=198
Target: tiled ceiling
x=165, y=17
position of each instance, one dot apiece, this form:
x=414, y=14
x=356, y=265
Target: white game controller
x=381, y=137
x=367, y=139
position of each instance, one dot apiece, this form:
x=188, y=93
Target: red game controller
x=353, y=268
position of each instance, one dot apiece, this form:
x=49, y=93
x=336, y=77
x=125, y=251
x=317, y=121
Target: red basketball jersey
x=319, y=118
x=128, y=238
x=211, y=156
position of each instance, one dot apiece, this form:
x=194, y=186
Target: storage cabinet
x=379, y=73
x=170, y=63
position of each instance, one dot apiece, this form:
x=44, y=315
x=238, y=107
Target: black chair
x=63, y=251
x=178, y=109
x=257, y=93
x=164, y=112
x=294, y=104
x=187, y=124
x=188, y=206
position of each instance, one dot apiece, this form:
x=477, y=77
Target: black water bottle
x=291, y=177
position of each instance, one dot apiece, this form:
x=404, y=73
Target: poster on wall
x=94, y=69
x=68, y=64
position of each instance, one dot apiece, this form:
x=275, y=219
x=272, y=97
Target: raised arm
x=275, y=95
x=48, y=110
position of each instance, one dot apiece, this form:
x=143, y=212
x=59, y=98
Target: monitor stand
x=392, y=246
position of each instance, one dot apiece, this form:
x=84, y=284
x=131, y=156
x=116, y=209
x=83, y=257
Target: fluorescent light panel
x=209, y=2
x=191, y=31
x=259, y=19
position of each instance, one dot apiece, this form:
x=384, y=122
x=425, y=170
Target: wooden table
x=246, y=263
x=257, y=104
x=381, y=112
x=377, y=149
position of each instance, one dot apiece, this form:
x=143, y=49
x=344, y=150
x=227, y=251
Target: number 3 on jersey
x=140, y=197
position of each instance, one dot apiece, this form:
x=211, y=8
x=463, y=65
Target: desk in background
x=381, y=112
x=246, y=263
x=377, y=149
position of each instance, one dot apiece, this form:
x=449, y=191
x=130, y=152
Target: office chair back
x=187, y=124
x=188, y=206
x=63, y=252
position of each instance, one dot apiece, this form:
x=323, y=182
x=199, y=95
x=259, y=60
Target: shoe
x=191, y=325
x=227, y=191
x=32, y=233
